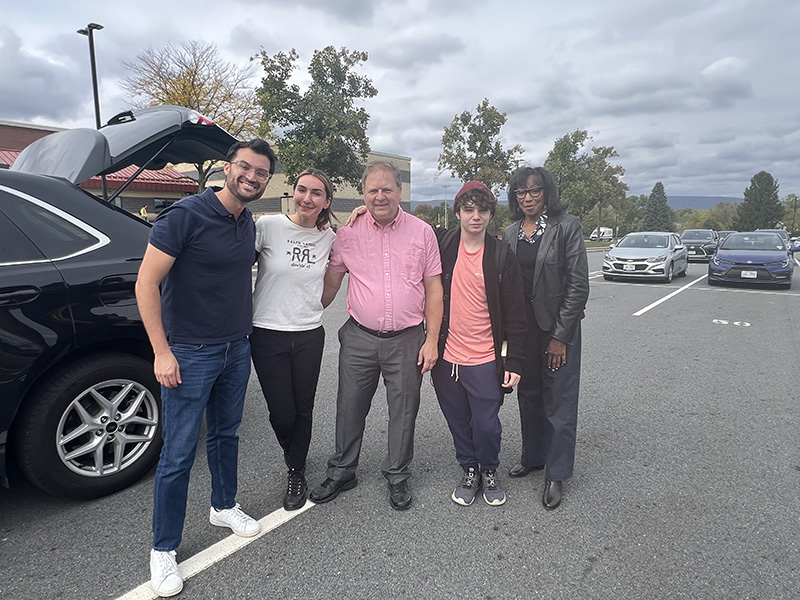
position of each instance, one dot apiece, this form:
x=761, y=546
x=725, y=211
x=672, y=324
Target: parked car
x=647, y=255
x=699, y=243
x=604, y=234
x=759, y=257
x=80, y=408
x=781, y=232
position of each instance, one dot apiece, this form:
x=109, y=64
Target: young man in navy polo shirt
x=194, y=293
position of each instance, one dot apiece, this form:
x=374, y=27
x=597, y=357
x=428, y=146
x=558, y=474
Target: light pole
x=88, y=31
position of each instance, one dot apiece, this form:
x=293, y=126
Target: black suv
x=79, y=404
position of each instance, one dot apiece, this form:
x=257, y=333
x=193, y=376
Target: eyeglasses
x=535, y=192
x=261, y=174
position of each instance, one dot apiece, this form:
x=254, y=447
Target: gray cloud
x=412, y=51
x=36, y=86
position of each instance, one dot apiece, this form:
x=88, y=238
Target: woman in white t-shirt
x=288, y=338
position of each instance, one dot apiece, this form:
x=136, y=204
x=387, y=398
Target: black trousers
x=287, y=364
x=548, y=404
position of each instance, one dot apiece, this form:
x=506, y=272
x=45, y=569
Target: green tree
x=586, y=180
x=761, y=207
x=631, y=214
x=321, y=127
x=193, y=75
x=790, y=216
x=570, y=169
x=500, y=220
x=471, y=148
x=724, y=213
x=658, y=215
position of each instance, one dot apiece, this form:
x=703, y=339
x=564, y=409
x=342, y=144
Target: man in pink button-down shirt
x=394, y=284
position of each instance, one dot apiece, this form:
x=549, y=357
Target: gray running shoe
x=492, y=492
x=470, y=485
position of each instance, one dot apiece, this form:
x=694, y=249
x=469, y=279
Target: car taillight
x=199, y=119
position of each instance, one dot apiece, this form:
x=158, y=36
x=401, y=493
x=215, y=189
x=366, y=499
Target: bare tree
x=193, y=75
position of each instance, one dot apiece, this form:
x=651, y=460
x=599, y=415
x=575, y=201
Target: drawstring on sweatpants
x=454, y=372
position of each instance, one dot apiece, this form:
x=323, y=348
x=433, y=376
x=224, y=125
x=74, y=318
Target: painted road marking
x=668, y=296
x=215, y=553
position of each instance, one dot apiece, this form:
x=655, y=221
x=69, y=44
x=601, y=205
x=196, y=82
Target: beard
x=239, y=187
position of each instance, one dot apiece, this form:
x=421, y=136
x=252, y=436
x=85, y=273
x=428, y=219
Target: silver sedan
x=657, y=255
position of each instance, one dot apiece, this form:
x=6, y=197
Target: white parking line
x=668, y=296
x=222, y=549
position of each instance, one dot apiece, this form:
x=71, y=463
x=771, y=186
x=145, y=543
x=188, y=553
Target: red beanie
x=473, y=185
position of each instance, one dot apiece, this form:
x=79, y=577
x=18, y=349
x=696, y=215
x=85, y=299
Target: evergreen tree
x=658, y=216
x=761, y=207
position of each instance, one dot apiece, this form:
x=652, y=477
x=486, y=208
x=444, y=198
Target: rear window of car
x=56, y=234
x=692, y=234
x=15, y=248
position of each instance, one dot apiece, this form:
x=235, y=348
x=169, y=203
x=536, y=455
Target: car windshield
x=643, y=241
x=695, y=234
x=753, y=242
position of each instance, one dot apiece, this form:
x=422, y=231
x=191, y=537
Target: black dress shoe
x=329, y=489
x=519, y=471
x=399, y=495
x=296, y=490
x=552, y=494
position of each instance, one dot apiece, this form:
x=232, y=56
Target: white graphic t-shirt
x=291, y=268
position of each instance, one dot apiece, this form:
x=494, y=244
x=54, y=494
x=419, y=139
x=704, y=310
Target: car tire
x=608, y=278
x=712, y=282
x=91, y=428
x=670, y=273
x=685, y=271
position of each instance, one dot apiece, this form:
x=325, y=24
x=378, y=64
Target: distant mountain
x=698, y=202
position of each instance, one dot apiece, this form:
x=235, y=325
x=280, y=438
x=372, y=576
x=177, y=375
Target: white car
x=658, y=255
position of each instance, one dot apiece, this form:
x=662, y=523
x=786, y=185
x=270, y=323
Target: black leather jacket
x=561, y=278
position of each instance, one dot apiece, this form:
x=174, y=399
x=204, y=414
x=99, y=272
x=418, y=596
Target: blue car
x=753, y=257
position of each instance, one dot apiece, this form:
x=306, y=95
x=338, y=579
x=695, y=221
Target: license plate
x=628, y=267
x=693, y=252
x=749, y=275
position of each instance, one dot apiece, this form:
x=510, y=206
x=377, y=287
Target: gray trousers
x=363, y=358
x=548, y=404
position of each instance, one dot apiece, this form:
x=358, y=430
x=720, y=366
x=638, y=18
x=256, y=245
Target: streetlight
x=88, y=31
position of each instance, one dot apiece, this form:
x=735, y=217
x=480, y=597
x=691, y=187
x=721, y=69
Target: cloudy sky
x=697, y=94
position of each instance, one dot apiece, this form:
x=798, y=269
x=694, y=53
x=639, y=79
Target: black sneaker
x=469, y=487
x=296, y=489
x=493, y=494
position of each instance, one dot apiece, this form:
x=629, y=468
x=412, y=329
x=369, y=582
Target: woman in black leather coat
x=549, y=245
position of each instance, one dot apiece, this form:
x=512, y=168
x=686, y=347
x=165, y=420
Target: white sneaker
x=165, y=578
x=235, y=518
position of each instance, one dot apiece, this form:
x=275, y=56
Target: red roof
x=164, y=180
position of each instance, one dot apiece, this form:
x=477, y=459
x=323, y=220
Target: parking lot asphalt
x=686, y=483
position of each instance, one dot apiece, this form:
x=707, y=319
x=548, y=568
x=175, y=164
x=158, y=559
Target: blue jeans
x=214, y=380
